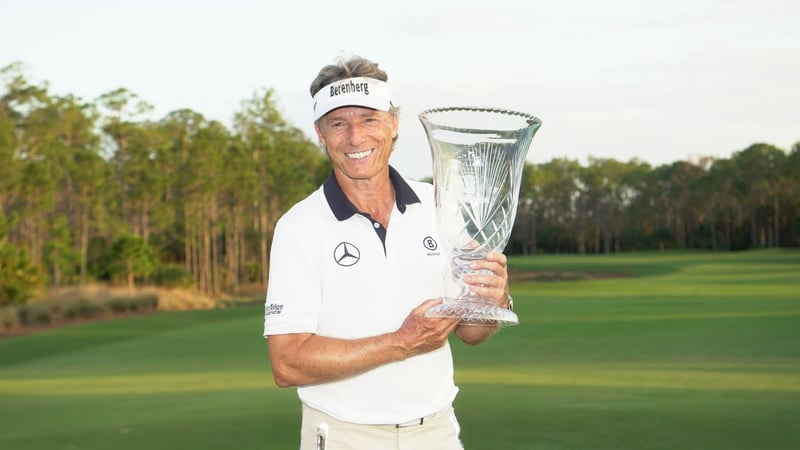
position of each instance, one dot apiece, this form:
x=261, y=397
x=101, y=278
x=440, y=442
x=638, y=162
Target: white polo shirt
x=335, y=272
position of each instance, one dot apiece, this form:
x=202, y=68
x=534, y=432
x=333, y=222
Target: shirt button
x=376, y=225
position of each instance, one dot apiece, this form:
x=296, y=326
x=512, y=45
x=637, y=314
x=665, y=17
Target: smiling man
x=353, y=268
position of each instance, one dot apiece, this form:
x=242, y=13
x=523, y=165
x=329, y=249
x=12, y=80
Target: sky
x=655, y=81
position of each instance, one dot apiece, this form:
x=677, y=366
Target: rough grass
x=688, y=351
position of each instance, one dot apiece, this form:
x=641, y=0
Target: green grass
x=692, y=351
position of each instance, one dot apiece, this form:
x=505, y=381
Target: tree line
x=97, y=191
x=750, y=200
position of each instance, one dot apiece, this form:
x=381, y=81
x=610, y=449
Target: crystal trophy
x=478, y=156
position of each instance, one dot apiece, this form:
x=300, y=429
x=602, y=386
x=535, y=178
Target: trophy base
x=474, y=313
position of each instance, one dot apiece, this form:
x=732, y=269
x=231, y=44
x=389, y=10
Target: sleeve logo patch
x=273, y=308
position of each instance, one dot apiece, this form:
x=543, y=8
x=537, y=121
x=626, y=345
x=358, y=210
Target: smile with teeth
x=359, y=155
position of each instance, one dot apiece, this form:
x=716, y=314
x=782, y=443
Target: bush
x=183, y=300
x=35, y=314
x=9, y=318
x=145, y=302
x=83, y=309
x=172, y=276
x=242, y=301
x=70, y=306
x=120, y=305
x=19, y=277
x=72, y=309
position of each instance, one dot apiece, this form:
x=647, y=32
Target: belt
x=421, y=420
x=411, y=423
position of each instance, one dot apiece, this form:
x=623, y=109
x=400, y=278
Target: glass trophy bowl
x=478, y=156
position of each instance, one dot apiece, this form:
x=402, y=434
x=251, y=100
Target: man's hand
x=492, y=286
x=495, y=285
x=420, y=334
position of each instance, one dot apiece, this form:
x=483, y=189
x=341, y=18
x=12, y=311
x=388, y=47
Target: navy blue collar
x=343, y=208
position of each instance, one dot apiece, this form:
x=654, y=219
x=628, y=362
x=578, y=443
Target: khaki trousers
x=439, y=431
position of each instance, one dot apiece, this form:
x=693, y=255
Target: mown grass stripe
x=673, y=379
x=669, y=316
x=138, y=384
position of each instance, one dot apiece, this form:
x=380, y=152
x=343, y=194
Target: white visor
x=366, y=92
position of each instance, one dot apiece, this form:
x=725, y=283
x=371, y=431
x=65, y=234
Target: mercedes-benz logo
x=430, y=243
x=346, y=254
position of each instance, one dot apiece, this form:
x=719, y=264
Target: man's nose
x=355, y=133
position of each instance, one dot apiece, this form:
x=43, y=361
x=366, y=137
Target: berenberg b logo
x=346, y=254
x=431, y=245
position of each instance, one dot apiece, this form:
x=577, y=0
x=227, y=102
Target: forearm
x=300, y=359
x=310, y=359
x=475, y=334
